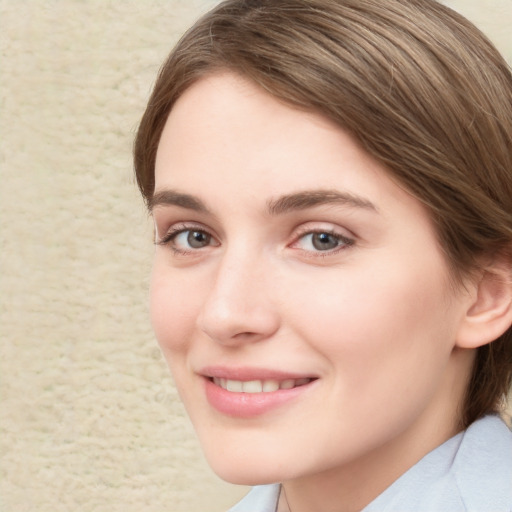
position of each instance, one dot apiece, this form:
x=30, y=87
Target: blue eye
x=182, y=239
x=322, y=241
x=192, y=239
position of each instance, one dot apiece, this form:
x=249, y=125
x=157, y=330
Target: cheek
x=376, y=320
x=173, y=309
x=384, y=341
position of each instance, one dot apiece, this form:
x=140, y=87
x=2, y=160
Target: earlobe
x=489, y=314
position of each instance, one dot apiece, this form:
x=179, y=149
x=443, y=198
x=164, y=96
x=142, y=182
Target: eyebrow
x=284, y=204
x=311, y=198
x=173, y=198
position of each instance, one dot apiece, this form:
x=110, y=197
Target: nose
x=239, y=308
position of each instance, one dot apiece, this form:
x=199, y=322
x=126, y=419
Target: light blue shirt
x=471, y=472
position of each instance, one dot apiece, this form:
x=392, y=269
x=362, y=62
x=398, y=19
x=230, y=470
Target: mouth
x=259, y=386
x=250, y=393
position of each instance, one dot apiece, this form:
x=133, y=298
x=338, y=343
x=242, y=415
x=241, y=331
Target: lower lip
x=249, y=405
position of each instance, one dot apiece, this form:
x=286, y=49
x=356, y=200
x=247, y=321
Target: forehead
x=227, y=141
x=224, y=121
x=223, y=108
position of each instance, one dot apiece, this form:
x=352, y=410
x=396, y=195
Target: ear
x=489, y=313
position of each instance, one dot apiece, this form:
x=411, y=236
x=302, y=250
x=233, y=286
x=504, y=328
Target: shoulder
x=262, y=498
x=470, y=472
x=482, y=468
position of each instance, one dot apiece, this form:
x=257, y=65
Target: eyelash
x=344, y=242
x=175, y=231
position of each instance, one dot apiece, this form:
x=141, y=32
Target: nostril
x=237, y=309
x=245, y=335
x=244, y=327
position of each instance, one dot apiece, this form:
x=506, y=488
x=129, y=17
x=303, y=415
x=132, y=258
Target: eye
x=192, y=239
x=322, y=241
x=183, y=239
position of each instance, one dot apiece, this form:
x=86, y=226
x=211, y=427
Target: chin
x=247, y=475
x=239, y=469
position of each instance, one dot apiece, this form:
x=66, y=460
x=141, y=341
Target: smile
x=241, y=394
x=259, y=386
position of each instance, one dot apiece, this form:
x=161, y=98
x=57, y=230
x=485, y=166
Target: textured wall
x=90, y=420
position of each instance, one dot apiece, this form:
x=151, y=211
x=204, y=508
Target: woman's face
x=299, y=295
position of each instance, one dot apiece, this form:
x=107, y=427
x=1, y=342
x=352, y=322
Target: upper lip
x=251, y=373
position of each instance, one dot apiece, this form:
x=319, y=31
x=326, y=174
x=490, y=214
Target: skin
x=375, y=319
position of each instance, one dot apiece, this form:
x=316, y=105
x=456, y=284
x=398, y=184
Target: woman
x=331, y=184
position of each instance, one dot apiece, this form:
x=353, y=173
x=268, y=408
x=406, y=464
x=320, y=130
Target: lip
x=250, y=405
x=250, y=373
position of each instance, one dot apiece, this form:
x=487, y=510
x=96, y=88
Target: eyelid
x=324, y=227
x=167, y=217
x=346, y=238
x=309, y=228
x=175, y=229
x=170, y=232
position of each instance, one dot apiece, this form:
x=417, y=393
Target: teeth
x=234, y=385
x=287, y=384
x=259, y=386
x=252, y=386
x=270, y=385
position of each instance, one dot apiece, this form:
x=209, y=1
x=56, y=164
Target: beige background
x=89, y=419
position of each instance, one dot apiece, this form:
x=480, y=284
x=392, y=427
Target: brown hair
x=418, y=85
